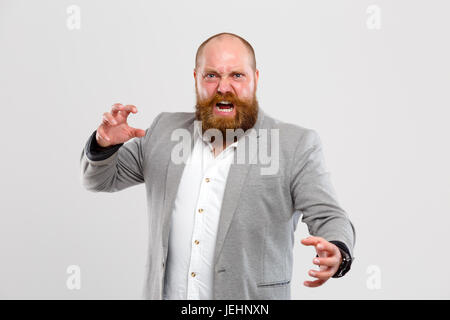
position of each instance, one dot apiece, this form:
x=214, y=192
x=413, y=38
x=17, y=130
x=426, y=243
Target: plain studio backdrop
x=371, y=77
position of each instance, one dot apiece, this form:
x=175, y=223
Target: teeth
x=225, y=102
x=224, y=110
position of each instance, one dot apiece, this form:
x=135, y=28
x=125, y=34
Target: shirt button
x=207, y=180
x=196, y=242
x=193, y=274
x=200, y=210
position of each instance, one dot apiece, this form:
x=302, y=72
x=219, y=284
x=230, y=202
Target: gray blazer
x=254, y=248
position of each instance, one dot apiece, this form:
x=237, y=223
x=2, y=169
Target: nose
x=224, y=86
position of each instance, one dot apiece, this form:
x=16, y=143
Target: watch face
x=344, y=267
x=346, y=261
x=346, y=256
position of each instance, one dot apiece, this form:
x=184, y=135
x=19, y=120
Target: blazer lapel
x=237, y=176
x=233, y=189
x=173, y=177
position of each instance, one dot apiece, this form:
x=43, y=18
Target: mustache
x=217, y=97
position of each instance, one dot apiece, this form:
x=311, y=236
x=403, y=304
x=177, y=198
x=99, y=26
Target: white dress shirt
x=194, y=222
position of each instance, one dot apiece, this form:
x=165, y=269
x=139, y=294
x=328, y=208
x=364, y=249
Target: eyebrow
x=234, y=70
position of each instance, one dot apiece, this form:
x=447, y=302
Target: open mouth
x=224, y=106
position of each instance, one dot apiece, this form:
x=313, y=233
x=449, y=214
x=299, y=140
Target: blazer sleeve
x=116, y=167
x=314, y=196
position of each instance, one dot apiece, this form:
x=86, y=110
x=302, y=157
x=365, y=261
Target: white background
x=379, y=99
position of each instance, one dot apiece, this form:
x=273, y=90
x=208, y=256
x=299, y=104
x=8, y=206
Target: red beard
x=245, y=117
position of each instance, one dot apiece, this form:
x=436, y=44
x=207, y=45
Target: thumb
x=139, y=133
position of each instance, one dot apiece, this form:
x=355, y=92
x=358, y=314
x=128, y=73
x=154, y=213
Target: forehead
x=225, y=54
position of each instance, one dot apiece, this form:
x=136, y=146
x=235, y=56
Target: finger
x=322, y=246
x=322, y=275
x=116, y=108
x=322, y=253
x=138, y=132
x=329, y=262
x=126, y=110
x=108, y=119
x=322, y=268
x=326, y=246
x=314, y=284
x=131, y=108
x=311, y=241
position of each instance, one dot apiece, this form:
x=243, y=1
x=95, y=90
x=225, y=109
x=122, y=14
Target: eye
x=238, y=75
x=210, y=74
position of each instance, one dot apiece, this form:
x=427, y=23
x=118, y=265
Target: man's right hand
x=115, y=129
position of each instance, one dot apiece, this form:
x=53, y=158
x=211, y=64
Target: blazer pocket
x=273, y=284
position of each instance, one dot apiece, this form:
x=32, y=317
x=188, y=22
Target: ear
x=256, y=76
x=195, y=74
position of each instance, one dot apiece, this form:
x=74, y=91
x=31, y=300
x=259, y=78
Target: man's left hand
x=329, y=259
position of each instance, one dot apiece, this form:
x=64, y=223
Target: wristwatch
x=345, y=265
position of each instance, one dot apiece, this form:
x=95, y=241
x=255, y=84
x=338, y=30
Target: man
x=220, y=228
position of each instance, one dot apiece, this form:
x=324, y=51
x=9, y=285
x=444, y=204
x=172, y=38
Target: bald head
x=225, y=40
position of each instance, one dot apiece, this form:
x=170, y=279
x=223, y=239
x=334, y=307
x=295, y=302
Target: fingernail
x=320, y=246
x=316, y=261
x=312, y=273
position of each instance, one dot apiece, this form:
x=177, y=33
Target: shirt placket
x=195, y=263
